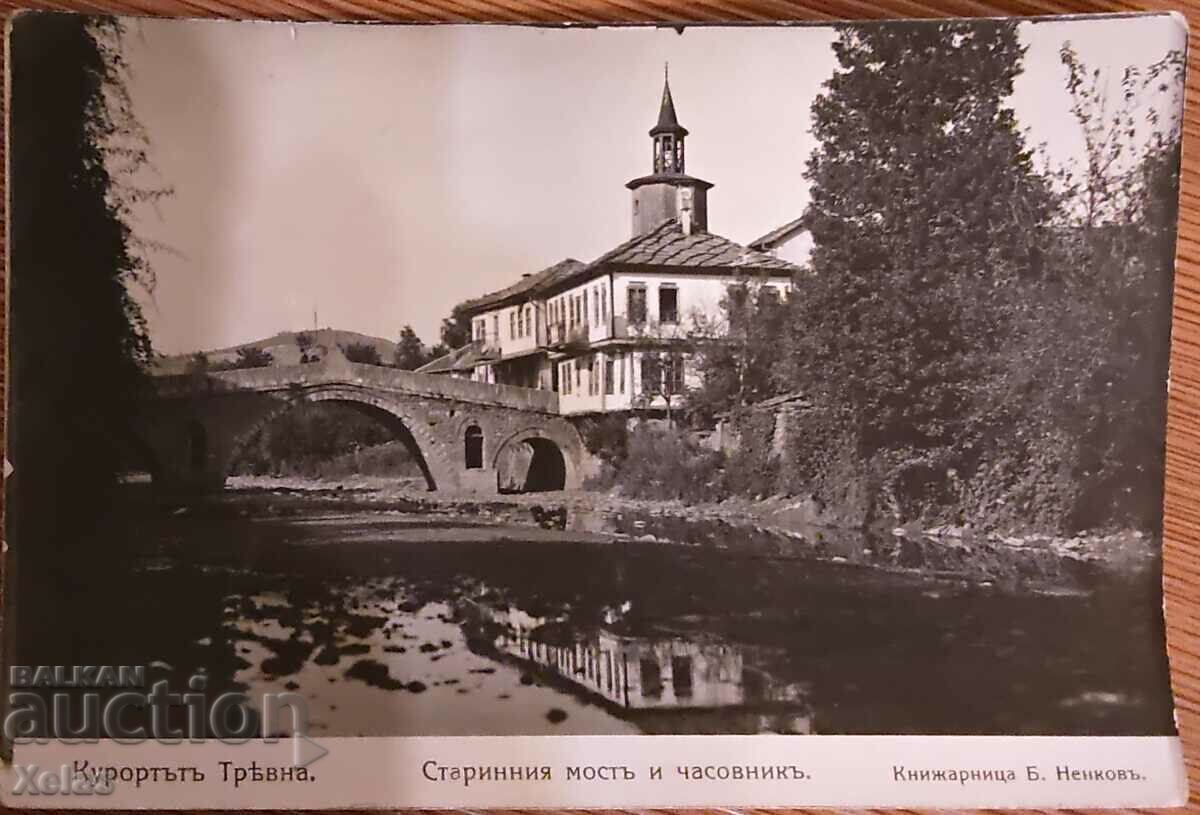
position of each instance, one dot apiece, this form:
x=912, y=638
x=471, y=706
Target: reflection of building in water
x=644, y=674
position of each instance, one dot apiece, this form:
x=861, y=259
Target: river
x=407, y=621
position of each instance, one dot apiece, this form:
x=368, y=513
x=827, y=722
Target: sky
x=378, y=175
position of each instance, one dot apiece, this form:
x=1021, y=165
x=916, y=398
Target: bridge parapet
x=341, y=372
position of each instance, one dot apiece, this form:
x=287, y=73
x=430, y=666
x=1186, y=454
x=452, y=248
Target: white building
x=790, y=242
x=616, y=334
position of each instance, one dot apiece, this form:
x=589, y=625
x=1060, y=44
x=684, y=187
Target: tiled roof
x=667, y=245
x=769, y=240
x=524, y=286
x=460, y=359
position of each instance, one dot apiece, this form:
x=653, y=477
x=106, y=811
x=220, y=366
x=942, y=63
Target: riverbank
x=775, y=527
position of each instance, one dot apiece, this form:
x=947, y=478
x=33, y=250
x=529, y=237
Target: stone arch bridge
x=465, y=435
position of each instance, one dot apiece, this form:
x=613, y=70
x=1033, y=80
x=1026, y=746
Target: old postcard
x=426, y=416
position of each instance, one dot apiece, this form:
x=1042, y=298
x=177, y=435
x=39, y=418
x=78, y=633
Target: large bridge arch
x=409, y=424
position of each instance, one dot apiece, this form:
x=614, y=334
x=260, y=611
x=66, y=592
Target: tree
x=304, y=341
x=926, y=216
x=456, y=329
x=660, y=348
x=75, y=149
x=410, y=351
x=1117, y=238
x=738, y=352
x=363, y=353
x=251, y=356
x=79, y=342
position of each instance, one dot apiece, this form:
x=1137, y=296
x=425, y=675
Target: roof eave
x=668, y=178
x=778, y=234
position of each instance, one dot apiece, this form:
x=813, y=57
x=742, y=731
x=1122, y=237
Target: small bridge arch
x=533, y=460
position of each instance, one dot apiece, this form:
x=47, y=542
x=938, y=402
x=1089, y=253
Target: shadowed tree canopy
x=456, y=329
x=363, y=353
x=410, y=351
x=78, y=342
x=78, y=338
x=926, y=212
x=253, y=357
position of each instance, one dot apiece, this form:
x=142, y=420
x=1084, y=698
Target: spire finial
x=667, y=121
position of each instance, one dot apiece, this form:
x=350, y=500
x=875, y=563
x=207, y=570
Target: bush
x=606, y=436
x=753, y=468
x=363, y=353
x=667, y=464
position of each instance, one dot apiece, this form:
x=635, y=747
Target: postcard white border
x=844, y=771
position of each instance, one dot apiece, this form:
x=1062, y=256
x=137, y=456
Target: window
x=651, y=675
x=593, y=381
x=636, y=311
x=596, y=305
x=576, y=367
x=604, y=304
x=496, y=327
x=681, y=676
x=621, y=363
x=473, y=448
x=585, y=308
x=512, y=325
x=651, y=374
x=608, y=375
x=673, y=374
x=520, y=322
x=668, y=304
x=528, y=320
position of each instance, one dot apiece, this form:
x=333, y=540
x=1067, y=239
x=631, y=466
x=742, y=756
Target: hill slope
x=282, y=347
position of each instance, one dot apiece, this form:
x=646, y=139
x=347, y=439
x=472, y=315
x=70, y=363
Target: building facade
x=790, y=242
x=618, y=334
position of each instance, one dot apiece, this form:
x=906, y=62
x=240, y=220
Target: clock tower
x=669, y=192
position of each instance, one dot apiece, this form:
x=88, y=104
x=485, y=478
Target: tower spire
x=669, y=192
x=668, y=134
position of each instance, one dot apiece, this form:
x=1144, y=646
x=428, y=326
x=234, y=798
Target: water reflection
x=637, y=674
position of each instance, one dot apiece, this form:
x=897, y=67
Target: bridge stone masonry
x=466, y=436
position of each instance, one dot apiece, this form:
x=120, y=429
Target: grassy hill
x=282, y=347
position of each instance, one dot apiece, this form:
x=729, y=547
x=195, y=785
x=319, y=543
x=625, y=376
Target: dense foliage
x=78, y=338
x=977, y=338
x=363, y=353
x=78, y=344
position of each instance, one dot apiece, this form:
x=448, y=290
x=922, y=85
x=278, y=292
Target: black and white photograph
x=805, y=380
